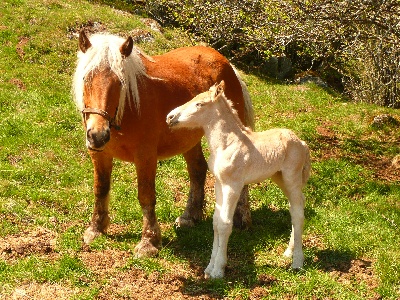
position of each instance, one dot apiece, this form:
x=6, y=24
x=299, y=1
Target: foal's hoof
x=90, y=234
x=184, y=222
x=214, y=274
x=145, y=249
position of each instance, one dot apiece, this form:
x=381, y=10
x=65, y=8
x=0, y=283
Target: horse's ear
x=126, y=48
x=84, y=43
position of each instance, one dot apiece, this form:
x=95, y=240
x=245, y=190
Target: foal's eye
x=199, y=104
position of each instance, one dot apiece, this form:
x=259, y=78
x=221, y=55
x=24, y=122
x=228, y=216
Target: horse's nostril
x=98, y=139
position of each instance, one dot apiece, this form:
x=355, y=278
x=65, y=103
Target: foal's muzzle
x=172, y=119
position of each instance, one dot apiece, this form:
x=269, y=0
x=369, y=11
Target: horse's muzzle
x=97, y=140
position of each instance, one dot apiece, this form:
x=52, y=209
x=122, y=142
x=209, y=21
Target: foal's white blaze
x=239, y=156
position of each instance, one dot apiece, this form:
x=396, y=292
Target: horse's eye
x=199, y=104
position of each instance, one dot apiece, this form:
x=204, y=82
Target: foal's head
x=99, y=86
x=195, y=113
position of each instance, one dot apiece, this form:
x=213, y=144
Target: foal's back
x=272, y=151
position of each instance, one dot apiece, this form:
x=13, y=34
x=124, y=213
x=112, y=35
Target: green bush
x=352, y=44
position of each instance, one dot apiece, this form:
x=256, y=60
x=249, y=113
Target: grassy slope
x=352, y=229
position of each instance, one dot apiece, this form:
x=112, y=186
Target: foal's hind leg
x=102, y=177
x=291, y=185
x=197, y=168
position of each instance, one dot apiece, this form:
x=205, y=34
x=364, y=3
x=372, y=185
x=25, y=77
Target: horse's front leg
x=225, y=209
x=102, y=164
x=151, y=233
x=197, y=168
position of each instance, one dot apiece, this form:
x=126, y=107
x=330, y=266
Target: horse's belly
x=177, y=142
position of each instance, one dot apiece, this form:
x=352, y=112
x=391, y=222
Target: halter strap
x=103, y=113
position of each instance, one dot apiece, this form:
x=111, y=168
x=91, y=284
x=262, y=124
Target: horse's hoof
x=184, y=222
x=145, y=249
x=90, y=234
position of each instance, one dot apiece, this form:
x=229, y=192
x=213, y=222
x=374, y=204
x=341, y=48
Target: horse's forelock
x=105, y=53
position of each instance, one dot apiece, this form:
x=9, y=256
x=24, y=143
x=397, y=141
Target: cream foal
x=238, y=157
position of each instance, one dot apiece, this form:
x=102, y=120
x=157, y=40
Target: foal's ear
x=219, y=89
x=84, y=43
x=126, y=48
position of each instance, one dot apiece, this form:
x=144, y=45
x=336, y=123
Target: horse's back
x=193, y=70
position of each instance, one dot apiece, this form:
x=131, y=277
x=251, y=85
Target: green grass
x=352, y=211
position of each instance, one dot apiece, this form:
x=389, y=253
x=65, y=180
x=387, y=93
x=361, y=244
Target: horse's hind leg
x=102, y=180
x=242, y=216
x=197, y=168
x=295, y=247
x=291, y=185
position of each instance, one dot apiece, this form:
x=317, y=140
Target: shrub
x=352, y=43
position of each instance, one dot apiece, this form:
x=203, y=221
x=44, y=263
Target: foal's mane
x=229, y=105
x=104, y=53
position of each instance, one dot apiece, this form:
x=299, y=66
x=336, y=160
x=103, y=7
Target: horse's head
x=194, y=113
x=101, y=91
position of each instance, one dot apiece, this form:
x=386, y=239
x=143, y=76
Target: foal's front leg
x=227, y=197
x=151, y=233
x=102, y=164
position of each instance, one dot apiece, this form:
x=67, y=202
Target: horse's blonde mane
x=104, y=53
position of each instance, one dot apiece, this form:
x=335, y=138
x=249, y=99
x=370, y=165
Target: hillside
x=351, y=235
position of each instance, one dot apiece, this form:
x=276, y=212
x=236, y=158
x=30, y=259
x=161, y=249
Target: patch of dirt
x=105, y=262
x=135, y=284
x=90, y=27
x=18, y=83
x=356, y=272
x=20, y=46
x=37, y=240
x=329, y=143
x=43, y=291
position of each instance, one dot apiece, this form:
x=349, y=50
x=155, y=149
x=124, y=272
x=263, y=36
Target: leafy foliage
x=353, y=44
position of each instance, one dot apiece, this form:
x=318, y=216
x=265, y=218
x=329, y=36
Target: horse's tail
x=248, y=106
x=307, y=164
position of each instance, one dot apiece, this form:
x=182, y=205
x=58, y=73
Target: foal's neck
x=224, y=127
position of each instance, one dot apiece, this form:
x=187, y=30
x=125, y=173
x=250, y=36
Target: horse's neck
x=223, y=128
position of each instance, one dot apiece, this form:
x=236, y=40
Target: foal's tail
x=248, y=106
x=307, y=164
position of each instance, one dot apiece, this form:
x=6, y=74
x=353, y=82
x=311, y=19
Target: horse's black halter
x=103, y=113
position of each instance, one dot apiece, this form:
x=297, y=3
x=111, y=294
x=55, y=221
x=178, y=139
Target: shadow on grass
x=270, y=228
x=329, y=260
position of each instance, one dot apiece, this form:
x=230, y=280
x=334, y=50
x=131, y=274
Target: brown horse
x=125, y=96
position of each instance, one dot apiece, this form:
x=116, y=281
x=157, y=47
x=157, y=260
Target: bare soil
x=116, y=280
